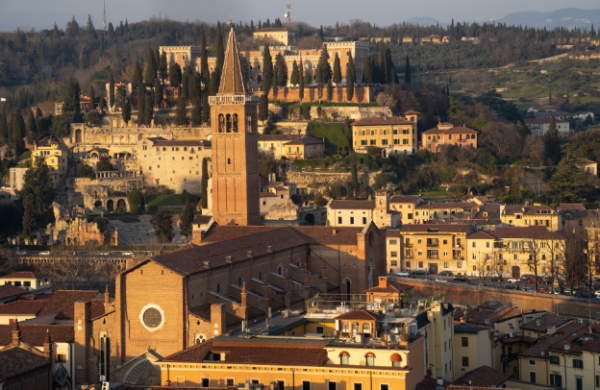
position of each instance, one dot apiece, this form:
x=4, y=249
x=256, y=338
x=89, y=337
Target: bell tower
x=236, y=183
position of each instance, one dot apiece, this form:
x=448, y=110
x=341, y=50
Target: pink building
x=447, y=134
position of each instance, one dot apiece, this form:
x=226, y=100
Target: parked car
x=510, y=287
x=582, y=294
x=446, y=273
x=104, y=253
x=597, y=293
x=513, y=280
x=403, y=274
x=430, y=279
x=419, y=272
x=441, y=280
x=543, y=291
x=530, y=289
x=127, y=253
x=21, y=252
x=556, y=291
x=462, y=279
x=495, y=279
x=45, y=253
x=566, y=291
x=493, y=285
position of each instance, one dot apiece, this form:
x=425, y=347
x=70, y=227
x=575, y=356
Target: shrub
x=152, y=209
x=135, y=199
x=306, y=111
x=165, y=191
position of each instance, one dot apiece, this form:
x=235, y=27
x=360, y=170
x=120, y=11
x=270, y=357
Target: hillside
x=566, y=17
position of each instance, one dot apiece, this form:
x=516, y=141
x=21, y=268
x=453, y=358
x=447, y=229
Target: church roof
x=232, y=78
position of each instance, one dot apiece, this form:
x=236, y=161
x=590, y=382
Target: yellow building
x=272, y=145
x=513, y=251
x=389, y=135
x=406, y=205
x=275, y=36
x=303, y=148
x=438, y=341
x=55, y=154
x=435, y=247
x=472, y=347
x=536, y=215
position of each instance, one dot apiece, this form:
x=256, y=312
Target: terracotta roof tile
x=547, y=321
x=376, y=121
x=548, y=341
x=392, y=287
x=359, y=315
x=8, y=290
x=305, y=140
x=25, y=274
x=35, y=335
x=201, y=220
x=63, y=302
x=435, y=228
x=483, y=376
x=22, y=307
x=17, y=361
x=352, y=205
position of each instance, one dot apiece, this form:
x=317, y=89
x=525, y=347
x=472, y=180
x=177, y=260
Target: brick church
x=235, y=271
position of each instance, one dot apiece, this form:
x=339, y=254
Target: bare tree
x=533, y=149
x=533, y=247
x=574, y=262
x=498, y=266
x=502, y=139
x=483, y=266
x=556, y=251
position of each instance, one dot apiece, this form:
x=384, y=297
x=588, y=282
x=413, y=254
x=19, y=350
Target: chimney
x=567, y=347
x=48, y=346
x=244, y=303
x=440, y=380
x=107, y=306
x=16, y=333
x=334, y=232
x=218, y=318
x=323, y=271
x=383, y=281
x=228, y=259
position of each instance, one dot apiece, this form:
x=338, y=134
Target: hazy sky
x=43, y=13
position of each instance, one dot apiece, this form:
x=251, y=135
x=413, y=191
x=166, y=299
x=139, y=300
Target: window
x=305, y=385
x=394, y=254
x=577, y=363
x=60, y=358
x=578, y=381
x=229, y=381
x=532, y=377
x=332, y=386
x=320, y=329
x=219, y=288
x=556, y=380
x=408, y=264
x=465, y=361
x=358, y=386
x=446, y=255
x=364, y=220
x=366, y=328
x=340, y=220
x=464, y=341
x=205, y=382
x=532, y=362
x=370, y=359
x=384, y=387
x=446, y=264
x=554, y=360
x=344, y=358
x=351, y=220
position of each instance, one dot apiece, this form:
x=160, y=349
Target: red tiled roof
x=359, y=315
x=353, y=204
x=376, y=121
x=242, y=353
x=435, y=228
x=278, y=137
x=35, y=335
x=17, y=361
x=483, y=376
x=201, y=220
x=543, y=120
x=392, y=287
x=411, y=112
x=305, y=140
x=63, y=302
x=25, y=275
x=404, y=198
x=452, y=130
x=267, y=195
x=546, y=321
x=536, y=232
x=549, y=341
x=8, y=290
x=22, y=307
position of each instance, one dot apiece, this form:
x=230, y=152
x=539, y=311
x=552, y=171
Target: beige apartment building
x=536, y=215
x=55, y=155
x=472, y=347
x=273, y=145
x=361, y=212
x=435, y=248
x=393, y=241
x=446, y=134
x=275, y=36
x=406, y=206
x=389, y=135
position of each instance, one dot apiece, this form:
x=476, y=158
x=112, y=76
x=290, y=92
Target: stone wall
x=303, y=180
x=364, y=94
x=352, y=112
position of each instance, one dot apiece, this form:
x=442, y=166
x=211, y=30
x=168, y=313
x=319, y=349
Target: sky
x=41, y=14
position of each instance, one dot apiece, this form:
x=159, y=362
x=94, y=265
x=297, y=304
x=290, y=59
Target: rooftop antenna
x=104, y=19
x=288, y=13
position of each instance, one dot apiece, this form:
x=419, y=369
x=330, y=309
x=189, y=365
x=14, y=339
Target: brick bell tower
x=234, y=130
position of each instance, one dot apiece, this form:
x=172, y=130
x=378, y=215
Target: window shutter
x=574, y=363
x=551, y=380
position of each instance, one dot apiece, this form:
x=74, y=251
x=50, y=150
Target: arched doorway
x=516, y=272
x=144, y=373
x=310, y=219
x=110, y=206
x=78, y=136
x=121, y=205
x=98, y=203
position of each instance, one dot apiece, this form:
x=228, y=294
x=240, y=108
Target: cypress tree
x=329, y=91
x=18, y=132
x=204, y=184
x=382, y=64
x=150, y=68
x=351, y=69
x=162, y=68
x=267, y=70
x=301, y=81
x=205, y=111
x=407, y=76
x=323, y=74
x=163, y=227
x=281, y=73
x=185, y=83
x=197, y=111
x=126, y=109
x=220, y=57
x=552, y=142
x=148, y=111
x=137, y=80
x=367, y=76
x=204, y=62
x=295, y=78
x=3, y=126
x=156, y=60
x=214, y=83
x=392, y=75
x=158, y=93
x=181, y=118
x=263, y=107
x=111, y=92
x=29, y=215
x=72, y=28
x=90, y=29
x=354, y=176
x=175, y=75
x=141, y=108
x=337, y=70
x=185, y=220
x=31, y=128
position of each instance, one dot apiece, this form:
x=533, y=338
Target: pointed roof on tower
x=232, y=77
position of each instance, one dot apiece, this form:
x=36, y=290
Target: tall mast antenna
x=104, y=20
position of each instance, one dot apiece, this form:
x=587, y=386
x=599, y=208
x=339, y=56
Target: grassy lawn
x=510, y=161
x=25, y=155
x=164, y=200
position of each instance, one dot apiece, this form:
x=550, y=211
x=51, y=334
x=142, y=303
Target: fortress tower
x=236, y=183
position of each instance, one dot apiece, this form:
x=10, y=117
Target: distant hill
x=566, y=17
x=425, y=21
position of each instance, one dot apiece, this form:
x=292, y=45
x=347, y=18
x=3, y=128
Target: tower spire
x=232, y=78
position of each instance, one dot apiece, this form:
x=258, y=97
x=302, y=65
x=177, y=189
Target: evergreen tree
x=204, y=71
x=367, y=76
x=3, y=126
x=329, y=91
x=294, y=78
x=220, y=58
x=137, y=79
x=111, y=31
x=102, y=104
x=205, y=111
x=163, y=227
x=214, y=83
x=72, y=28
x=323, y=73
x=175, y=75
x=71, y=102
x=552, y=142
x=162, y=68
x=90, y=29
x=156, y=61
x=150, y=68
x=37, y=183
x=301, y=81
x=391, y=75
x=263, y=107
x=141, y=107
x=92, y=98
x=281, y=73
x=158, y=93
x=351, y=69
x=185, y=220
x=382, y=64
x=181, y=118
x=407, y=76
x=197, y=111
x=29, y=215
x=55, y=32
x=135, y=198
x=31, y=128
x=126, y=109
x=185, y=83
x=18, y=132
x=267, y=70
x=337, y=70
x=354, y=176
x=111, y=92
x=204, y=184
x=148, y=111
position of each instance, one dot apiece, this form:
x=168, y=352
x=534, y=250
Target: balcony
x=233, y=99
x=433, y=257
x=458, y=257
x=409, y=257
x=433, y=244
x=408, y=244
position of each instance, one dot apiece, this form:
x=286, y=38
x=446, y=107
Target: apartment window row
x=340, y=220
x=384, y=132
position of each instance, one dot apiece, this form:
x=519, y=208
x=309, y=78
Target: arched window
x=221, y=123
x=370, y=359
x=219, y=288
x=396, y=360
x=372, y=132
x=105, y=357
x=248, y=123
x=345, y=327
x=344, y=358
x=235, y=123
x=348, y=285
x=355, y=328
x=260, y=276
x=228, y=123
x=199, y=339
x=363, y=132
x=240, y=282
x=366, y=327
x=280, y=270
x=298, y=264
